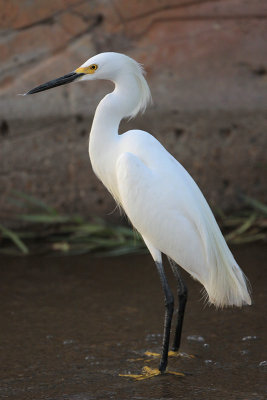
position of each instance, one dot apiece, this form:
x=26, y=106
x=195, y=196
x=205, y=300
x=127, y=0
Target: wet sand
x=71, y=325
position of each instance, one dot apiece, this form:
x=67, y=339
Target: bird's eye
x=93, y=67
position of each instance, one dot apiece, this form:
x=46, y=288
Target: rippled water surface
x=70, y=326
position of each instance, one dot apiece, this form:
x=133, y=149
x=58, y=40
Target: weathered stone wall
x=206, y=64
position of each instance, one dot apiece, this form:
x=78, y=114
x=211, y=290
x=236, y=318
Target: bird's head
x=102, y=66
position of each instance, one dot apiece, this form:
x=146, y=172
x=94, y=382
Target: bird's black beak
x=56, y=82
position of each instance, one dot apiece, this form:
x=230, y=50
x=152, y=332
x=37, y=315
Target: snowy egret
x=158, y=195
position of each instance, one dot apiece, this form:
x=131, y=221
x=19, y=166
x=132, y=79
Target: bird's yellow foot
x=150, y=354
x=180, y=354
x=170, y=354
x=147, y=353
x=149, y=373
x=157, y=355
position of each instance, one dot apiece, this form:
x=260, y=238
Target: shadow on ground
x=70, y=326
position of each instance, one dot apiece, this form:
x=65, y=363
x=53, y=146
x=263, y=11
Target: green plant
x=48, y=231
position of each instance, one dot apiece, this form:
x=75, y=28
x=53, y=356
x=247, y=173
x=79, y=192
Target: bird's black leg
x=168, y=297
x=182, y=296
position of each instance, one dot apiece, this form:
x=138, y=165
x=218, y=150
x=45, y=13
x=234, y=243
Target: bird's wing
x=152, y=205
x=168, y=209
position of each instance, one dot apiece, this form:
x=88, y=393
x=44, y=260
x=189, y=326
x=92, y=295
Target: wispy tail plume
x=228, y=285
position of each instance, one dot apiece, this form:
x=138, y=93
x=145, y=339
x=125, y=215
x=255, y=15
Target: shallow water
x=70, y=326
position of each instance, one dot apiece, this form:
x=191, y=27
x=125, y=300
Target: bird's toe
x=180, y=354
x=147, y=373
x=151, y=354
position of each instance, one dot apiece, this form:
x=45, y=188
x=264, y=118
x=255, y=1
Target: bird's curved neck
x=103, y=148
x=114, y=107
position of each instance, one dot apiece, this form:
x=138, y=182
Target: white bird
x=160, y=198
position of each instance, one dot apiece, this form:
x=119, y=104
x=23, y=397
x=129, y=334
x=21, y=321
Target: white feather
x=160, y=198
x=184, y=228
x=144, y=91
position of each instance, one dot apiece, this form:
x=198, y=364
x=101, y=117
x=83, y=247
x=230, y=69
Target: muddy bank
x=69, y=326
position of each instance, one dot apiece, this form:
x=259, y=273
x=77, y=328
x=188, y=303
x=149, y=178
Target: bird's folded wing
x=152, y=205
